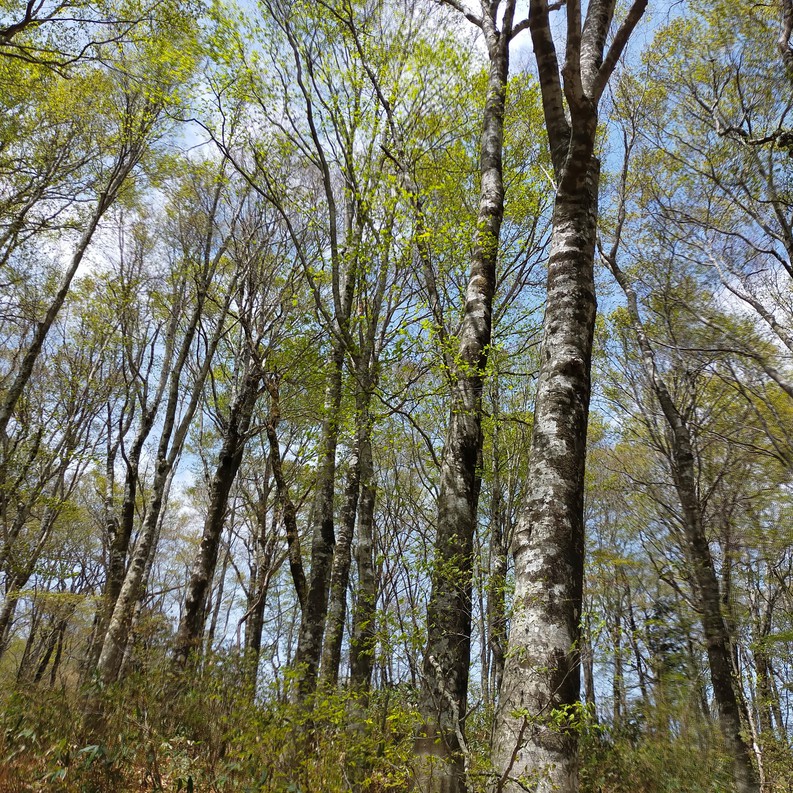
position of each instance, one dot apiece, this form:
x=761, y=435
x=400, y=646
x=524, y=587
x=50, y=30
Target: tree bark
x=362, y=641
x=312, y=626
x=340, y=577
x=191, y=625
x=542, y=678
x=535, y=736
x=441, y=766
x=496, y=594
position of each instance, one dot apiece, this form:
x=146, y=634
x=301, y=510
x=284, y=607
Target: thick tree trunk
x=340, y=578
x=440, y=749
x=191, y=625
x=541, y=680
x=541, y=684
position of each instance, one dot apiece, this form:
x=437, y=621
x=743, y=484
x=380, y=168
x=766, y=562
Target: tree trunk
x=340, y=578
x=440, y=749
x=706, y=584
x=120, y=531
x=717, y=639
x=362, y=641
x=541, y=680
x=542, y=676
x=312, y=626
x=117, y=634
x=191, y=625
x=282, y=489
x=588, y=665
x=618, y=681
x=214, y=603
x=633, y=633
x=265, y=569
x=496, y=594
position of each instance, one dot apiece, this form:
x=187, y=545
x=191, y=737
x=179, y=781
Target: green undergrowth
x=158, y=735
x=161, y=734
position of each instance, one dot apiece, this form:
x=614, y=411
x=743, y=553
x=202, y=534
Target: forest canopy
x=396, y=395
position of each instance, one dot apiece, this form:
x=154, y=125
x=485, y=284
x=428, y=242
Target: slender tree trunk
x=117, y=633
x=54, y=644
x=340, y=577
x=496, y=594
x=19, y=580
x=717, y=639
x=618, y=681
x=191, y=625
x=123, y=166
x=31, y=651
x=588, y=665
x=706, y=583
x=120, y=531
x=363, y=639
x=7, y=614
x=282, y=489
x=633, y=633
x=265, y=569
x=58, y=653
x=767, y=702
x=312, y=626
x=214, y=603
x=440, y=749
x=776, y=709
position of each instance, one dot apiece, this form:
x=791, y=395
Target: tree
x=541, y=678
